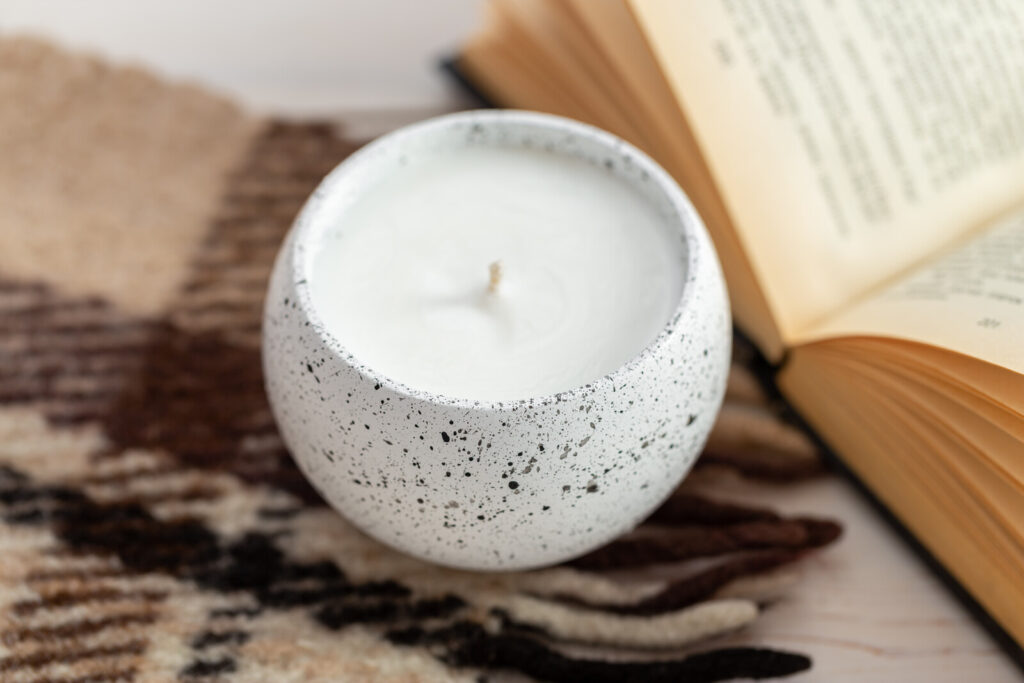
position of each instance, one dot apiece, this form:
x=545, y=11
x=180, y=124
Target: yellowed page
x=850, y=139
x=982, y=379
x=969, y=300
x=885, y=444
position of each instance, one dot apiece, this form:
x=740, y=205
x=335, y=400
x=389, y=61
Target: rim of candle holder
x=686, y=221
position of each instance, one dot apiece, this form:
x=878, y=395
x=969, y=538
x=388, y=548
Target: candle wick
x=495, y=269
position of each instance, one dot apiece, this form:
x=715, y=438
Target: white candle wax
x=454, y=267
x=491, y=273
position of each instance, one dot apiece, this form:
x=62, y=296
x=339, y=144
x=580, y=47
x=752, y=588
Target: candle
x=496, y=340
x=537, y=275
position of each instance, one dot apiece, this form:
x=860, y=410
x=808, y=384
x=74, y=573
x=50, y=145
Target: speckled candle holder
x=495, y=485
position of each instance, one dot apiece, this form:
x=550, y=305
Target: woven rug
x=153, y=525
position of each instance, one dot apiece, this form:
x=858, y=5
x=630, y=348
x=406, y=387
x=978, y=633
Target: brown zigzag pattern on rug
x=188, y=550
x=67, y=357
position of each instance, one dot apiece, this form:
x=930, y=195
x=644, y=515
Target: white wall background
x=343, y=58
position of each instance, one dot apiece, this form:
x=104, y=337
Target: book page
x=969, y=300
x=851, y=139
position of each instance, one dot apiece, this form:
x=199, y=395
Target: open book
x=860, y=166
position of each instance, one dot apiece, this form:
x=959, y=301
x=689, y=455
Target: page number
x=989, y=323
